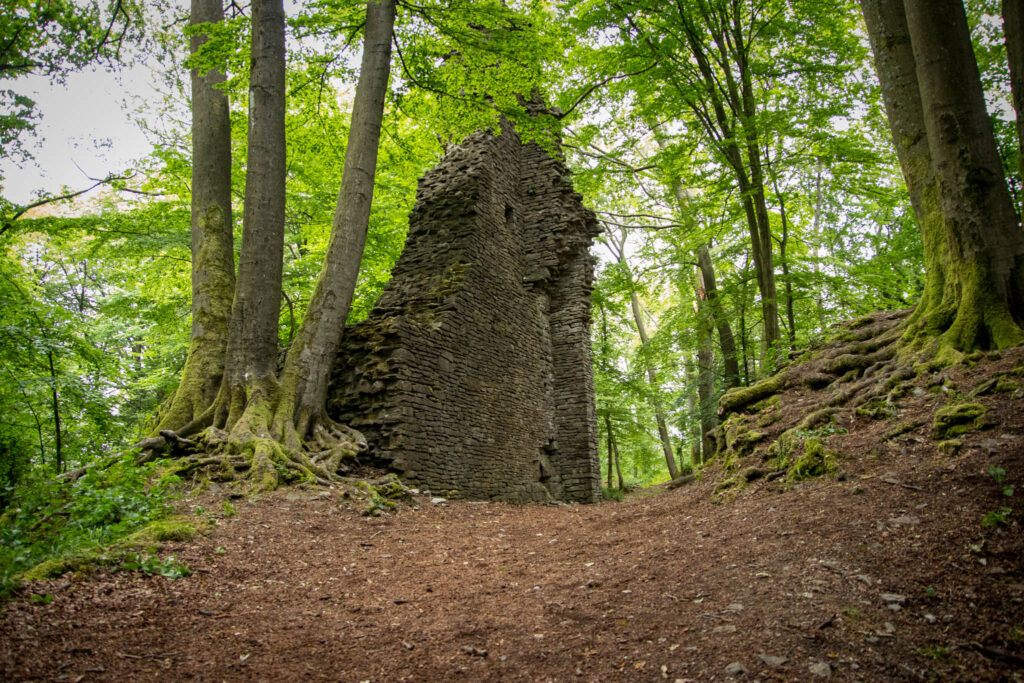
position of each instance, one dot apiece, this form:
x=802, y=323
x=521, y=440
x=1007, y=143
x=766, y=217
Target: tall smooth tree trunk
x=618, y=248
x=769, y=299
x=743, y=322
x=1013, y=30
x=652, y=379
x=983, y=262
x=611, y=440
x=58, y=434
x=618, y=463
x=705, y=368
x=734, y=125
x=306, y=374
x=726, y=340
x=818, y=302
x=693, y=419
x=725, y=337
x=251, y=362
x=613, y=453
x=212, y=241
x=783, y=243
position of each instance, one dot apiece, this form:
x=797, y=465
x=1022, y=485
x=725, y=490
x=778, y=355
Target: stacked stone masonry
x=472, y=375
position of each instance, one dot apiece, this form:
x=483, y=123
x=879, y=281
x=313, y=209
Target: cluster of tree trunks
x=974, y=247
x=230, y=380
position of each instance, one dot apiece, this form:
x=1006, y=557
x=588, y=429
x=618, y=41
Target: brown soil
x=882, y=571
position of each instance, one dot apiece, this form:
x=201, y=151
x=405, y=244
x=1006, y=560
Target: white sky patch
x=84, y=131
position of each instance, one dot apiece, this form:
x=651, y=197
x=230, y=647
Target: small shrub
x=612, y=494
x=936, y=652
x=378, y=505
x=999, y=475
x=152, y=565
x=994, y=518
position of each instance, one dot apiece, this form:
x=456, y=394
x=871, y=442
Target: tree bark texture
x=1013, y=30
x=652, y=379
x=974, y=248
x=58, y=434
x=252, y=347
x=983, y=262
x=705, y=368
x=613, y=453
x=783, y=243
x=726, y=340
x=618, y=463
x=308, y=367
x=725, y=337
x=750, y=180
x=212, y=242
x=611, y=439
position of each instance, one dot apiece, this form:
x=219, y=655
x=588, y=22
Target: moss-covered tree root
x=862, y=356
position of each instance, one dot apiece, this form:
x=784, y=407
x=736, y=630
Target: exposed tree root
x=874, y=370
x=859, y=354
x=255, y=454
x=254, y=461
x=861, y=373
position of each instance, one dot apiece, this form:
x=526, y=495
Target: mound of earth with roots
x=862, y=395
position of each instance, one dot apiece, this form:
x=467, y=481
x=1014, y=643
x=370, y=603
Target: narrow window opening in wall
x=508, y=214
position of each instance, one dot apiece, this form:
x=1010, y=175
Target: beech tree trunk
x=783, y=243
x=705, y=368
x=974, y=248
x=611, y=438
x=652, y=378
x=251, y=362
x=613, y=453
x=307, y=370
x=818, y=302
x=1013, y=30
x=212, y=243
x=725, y=337
x=726, y=340
x=735, y=122
x=618, y=250
x=618, y=464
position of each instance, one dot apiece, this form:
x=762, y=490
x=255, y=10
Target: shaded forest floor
x=882, y=570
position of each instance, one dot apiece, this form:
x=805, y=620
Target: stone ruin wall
x=472, y=375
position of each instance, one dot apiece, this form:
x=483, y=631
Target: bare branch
x=59, y=198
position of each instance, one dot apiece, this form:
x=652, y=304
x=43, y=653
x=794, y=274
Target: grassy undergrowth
x=50, y=524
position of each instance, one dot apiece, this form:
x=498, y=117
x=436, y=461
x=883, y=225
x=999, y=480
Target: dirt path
x=887, y=574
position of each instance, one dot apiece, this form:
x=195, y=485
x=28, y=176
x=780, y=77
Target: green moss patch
x=900, y=429
x=171, y=530
x=741, y=397
x=957, y=419
x=950, y=446
x=815, y=461
x=847, y=362
x=78, y=563
x=876, y=409
x=736, y=440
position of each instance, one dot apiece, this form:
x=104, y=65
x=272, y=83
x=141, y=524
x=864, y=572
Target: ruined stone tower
x=473, y=371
